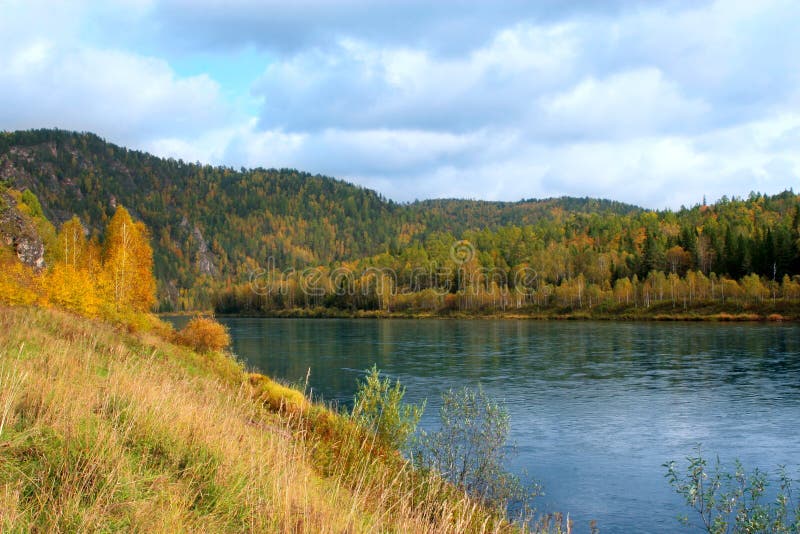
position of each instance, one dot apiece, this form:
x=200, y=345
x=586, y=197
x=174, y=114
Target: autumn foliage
x=18, y=283
x=112, y=280
x=204, y=334
x=127, y=275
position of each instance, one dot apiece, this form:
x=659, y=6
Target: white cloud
x=124, y=96
x=357, y=86
x=444, y=28
x=737, y=55
x=639, y=102
x=50, y=76
x=655, y=105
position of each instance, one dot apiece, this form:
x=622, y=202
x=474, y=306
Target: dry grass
x=105, y=430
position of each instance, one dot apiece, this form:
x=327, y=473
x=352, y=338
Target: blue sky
x=654, y=103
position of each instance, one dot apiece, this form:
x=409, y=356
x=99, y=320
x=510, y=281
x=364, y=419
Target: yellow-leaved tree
x=19, y=285
x=71, y=282
x=127, y=281
x=71, y=247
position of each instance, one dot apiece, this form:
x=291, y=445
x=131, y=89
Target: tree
x=754, y=288
x=652, y=254
x=622, y=290
x=72, y=289
x=204, y=334
x=70, y=283
x=705, y=253
x=678, y=259
x=734, y=255
x=19, y=285
x=790, y=288
x=71, y=248
x=128, y=264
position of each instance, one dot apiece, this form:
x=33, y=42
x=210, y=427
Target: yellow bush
x=204, y=335
x=72, y=289
x=277, y=396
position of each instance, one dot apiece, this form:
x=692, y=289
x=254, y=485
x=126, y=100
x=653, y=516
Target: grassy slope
x=104, y=430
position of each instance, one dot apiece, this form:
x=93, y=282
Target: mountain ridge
x=214, y=222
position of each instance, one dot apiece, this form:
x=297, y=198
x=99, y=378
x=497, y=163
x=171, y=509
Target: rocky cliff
x=18, y=232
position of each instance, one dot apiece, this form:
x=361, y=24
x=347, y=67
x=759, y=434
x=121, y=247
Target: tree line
x=212, y=225
x=734, y=253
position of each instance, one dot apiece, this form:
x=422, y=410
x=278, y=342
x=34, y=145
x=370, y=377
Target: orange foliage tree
x=80, y=277
x=70, y=283
x=127, y=277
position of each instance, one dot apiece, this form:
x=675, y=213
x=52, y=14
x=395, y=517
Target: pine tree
x=652, y=255
x=795, y=240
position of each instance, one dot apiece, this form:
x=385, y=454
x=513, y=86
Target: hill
x=212, y=228
x=212, y=224
x=112, y=420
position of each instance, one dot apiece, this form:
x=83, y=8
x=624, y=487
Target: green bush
x=734, y=502
x=470, y=449
x=30, y=200
x=379, y=407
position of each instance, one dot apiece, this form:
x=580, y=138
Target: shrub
x=204, y=334
x=734, y=502
x=278, y=397
x=379, y=407
x=34, y=207
x=470, y=449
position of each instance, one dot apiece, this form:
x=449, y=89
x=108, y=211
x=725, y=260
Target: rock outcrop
x=206, y=263
x=18, y=232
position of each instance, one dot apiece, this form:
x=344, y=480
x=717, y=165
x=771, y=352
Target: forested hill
x=458, y=215
x=213, y=223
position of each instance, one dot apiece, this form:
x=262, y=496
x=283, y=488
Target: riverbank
x=106, y=429
x=665, y=312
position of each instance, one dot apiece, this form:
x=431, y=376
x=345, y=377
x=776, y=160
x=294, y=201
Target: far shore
x=639, y=314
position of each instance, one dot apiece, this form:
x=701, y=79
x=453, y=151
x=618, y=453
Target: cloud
x=49, y=77
x=449, y=28
x=355, y=86
x=647, y=71
x=626, y=104
x=734, y=54
x=125, y=96
x=655, y=103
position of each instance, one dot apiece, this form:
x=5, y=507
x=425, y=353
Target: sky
x=656, y=103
